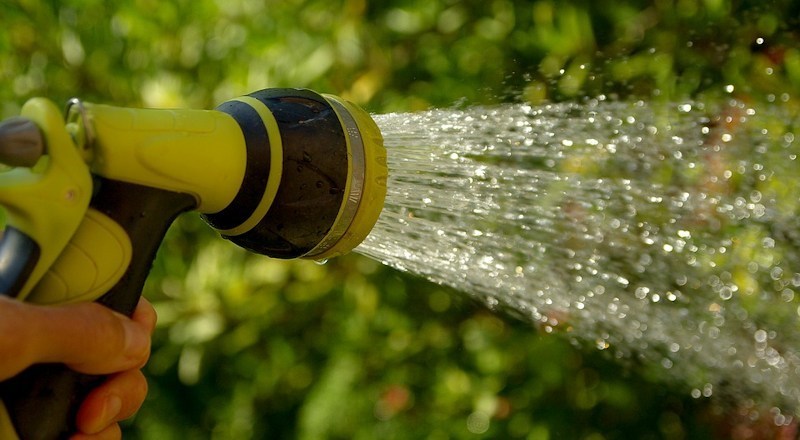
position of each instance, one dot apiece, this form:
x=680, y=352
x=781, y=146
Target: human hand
x=89, y=338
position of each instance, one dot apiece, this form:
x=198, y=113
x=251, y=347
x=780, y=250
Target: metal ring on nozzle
x=368, y=176
x=356, y=183
x=88, y=131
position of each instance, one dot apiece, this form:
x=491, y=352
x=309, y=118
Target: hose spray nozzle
x=315, y=178
x=287, y=173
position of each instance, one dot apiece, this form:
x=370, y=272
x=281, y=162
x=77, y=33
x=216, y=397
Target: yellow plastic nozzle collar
x=366, y=183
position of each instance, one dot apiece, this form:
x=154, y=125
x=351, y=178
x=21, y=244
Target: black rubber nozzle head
x=323, y=149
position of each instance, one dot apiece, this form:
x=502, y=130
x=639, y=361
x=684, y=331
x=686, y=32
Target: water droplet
x=478, y=422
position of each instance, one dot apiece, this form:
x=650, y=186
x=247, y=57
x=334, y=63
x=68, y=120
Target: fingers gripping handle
x=42, y=402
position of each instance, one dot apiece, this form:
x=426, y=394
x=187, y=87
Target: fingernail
x=112, y=408
x=137, y=342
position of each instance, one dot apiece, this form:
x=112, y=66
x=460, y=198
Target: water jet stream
x=665, y=234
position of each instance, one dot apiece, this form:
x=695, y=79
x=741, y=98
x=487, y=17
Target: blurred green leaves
x=396, y=54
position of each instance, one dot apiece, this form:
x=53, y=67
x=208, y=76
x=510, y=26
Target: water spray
x=662, y=234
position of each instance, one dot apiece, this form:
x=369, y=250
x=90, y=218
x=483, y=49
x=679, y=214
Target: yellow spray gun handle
x=60, y=246
x=173, y=150
x=45, y=202
x=287, y=173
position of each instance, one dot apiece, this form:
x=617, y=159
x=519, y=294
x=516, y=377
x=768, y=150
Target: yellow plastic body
x=47, y=202
x=91, y=263
x=6, y=427
x=374, y=185
x=197, y=152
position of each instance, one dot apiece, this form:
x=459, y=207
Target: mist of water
x=663, y=234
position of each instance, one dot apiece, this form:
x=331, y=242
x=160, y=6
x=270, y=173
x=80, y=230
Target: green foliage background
x=249, y=347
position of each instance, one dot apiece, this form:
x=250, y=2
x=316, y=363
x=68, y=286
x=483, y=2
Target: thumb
x=88, y=337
